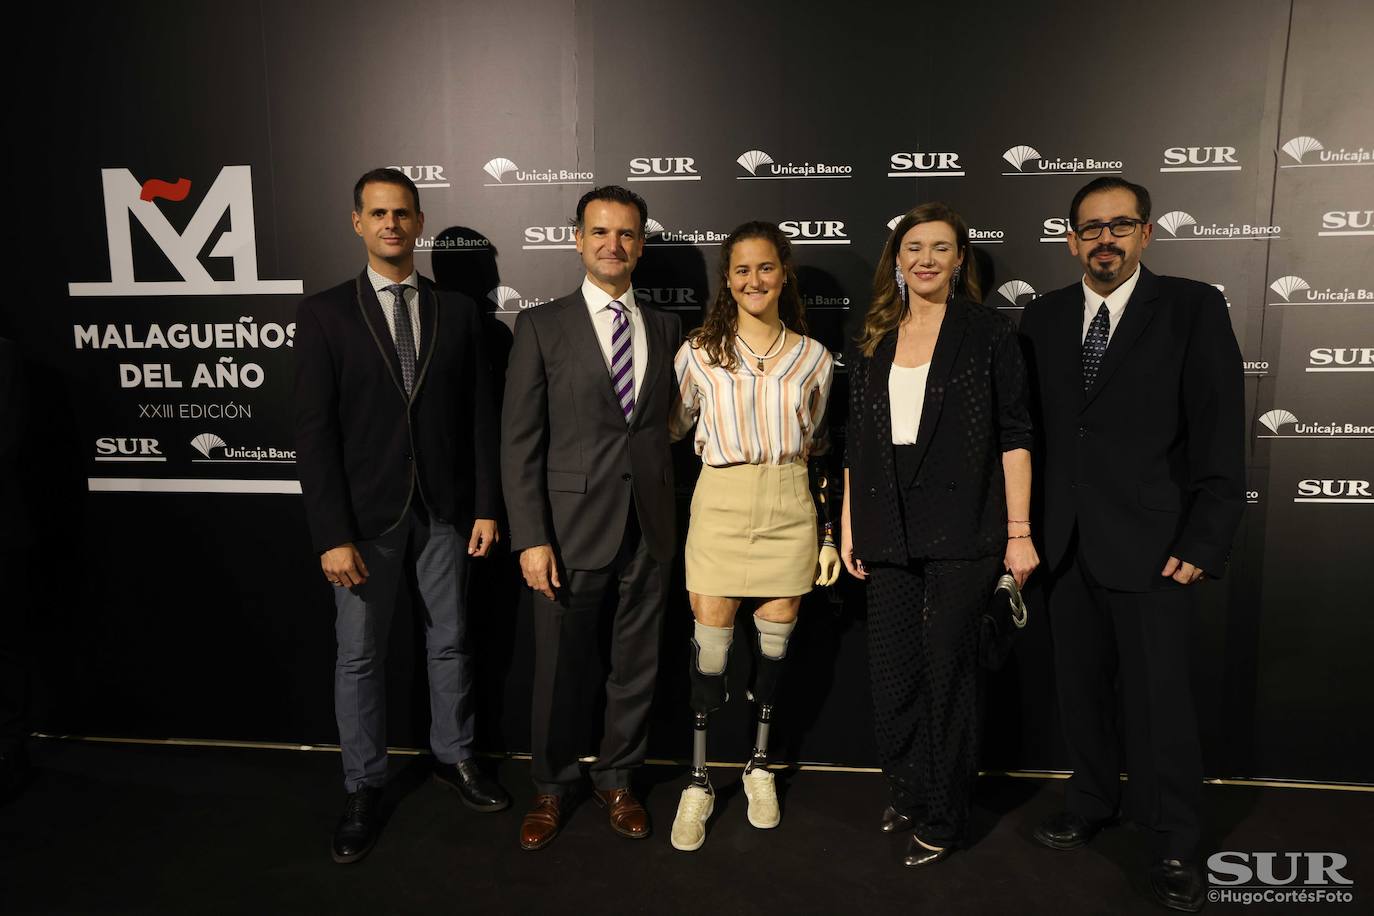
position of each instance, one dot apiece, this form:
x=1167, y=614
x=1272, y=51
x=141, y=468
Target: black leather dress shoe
x=1066, y=830
x=477, y=790
x=918, y=854
x=895, y=822
x=359, y=826
x=1177, y=885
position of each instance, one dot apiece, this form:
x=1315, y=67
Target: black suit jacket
x=1150, y=462
x=363, y=449
x=569, y=461
x=975, y=409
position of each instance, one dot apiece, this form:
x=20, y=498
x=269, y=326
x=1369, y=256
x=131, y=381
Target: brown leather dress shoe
x=541, y=822
x=628, y=817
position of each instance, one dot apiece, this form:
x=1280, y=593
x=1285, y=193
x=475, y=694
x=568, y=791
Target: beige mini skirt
x=753, y=532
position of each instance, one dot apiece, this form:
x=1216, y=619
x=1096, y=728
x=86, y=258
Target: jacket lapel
x=371, y=309
x=429, y=331
x=1139, y=311
x=876, y=395
x=577, y=325
x=657, y=349
x=947, y=344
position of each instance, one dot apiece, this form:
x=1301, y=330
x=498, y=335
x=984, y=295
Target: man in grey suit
x=589, y=490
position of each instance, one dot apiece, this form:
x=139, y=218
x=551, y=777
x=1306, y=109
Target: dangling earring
x=954, y=282
x=901, y=284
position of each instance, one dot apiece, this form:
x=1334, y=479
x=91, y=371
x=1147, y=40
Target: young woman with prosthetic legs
x=755, y=387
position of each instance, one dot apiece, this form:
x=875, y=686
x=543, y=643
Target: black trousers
x=1137, y=643
x=568, y=666
x=923, y=622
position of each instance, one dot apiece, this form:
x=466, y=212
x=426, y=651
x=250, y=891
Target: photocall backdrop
x=201, y=162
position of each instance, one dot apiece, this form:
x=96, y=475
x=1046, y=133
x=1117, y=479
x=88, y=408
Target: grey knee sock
x=773, y=637
x=713, y=644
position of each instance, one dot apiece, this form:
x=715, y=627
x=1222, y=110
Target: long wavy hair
x=888, y=307
x=717, y=332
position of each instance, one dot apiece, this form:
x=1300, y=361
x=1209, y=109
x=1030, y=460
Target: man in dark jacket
x=1140, y=409
x=397, y=452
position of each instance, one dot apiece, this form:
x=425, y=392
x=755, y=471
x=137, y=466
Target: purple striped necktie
x=622, y=359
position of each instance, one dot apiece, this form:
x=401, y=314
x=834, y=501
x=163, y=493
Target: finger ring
x=333, y=581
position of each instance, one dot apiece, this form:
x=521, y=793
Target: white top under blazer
x=906, y=389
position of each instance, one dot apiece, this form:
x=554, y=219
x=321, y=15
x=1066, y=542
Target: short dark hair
x=615, y=194
x=384, y=176
x=1110, y=183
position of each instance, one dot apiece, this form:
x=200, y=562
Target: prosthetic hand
x=829, y=565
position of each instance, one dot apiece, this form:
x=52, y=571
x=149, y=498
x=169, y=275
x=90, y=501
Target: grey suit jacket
x=570, y=463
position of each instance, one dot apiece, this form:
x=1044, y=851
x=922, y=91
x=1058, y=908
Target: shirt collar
x=597, y=298
x=1116, y=301
x=380, y=283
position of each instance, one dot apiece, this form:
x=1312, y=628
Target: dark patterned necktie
x=622, y=359
x=404, y=334
x=1094, y=345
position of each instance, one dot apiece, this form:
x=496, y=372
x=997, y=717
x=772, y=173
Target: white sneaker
x=763, y=799
x=689, y=826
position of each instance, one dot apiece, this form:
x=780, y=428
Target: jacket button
x=916, y=485
x=408, y=458
x=952, y=486
x=873, y=491
x=625, y=476
x=1082, y=432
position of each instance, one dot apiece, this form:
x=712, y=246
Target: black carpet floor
x=156, y=829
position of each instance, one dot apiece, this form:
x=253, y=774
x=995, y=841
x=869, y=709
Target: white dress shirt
x=388, y=303
x=603, y=317
x=906, y=390
x=1116, y=304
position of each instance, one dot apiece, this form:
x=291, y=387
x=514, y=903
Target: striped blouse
x=748, y=417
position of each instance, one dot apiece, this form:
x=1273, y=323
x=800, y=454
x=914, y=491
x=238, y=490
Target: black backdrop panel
x=163, y=371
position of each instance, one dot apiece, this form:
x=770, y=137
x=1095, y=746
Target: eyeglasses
x=1120, y=228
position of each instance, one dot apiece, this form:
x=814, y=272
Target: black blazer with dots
x=975, y=409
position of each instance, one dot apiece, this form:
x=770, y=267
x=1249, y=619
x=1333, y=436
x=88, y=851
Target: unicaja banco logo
x=1295, y=290
x=1184, y=227
x=1300, y=148
x=661, y=236
x=1021, y=157
x=760, y=165
x=1018, y=156
x=1287, y=286
x=1013, y=290
x=1175, y=220
x=506, y=173
x=231, y=193
x=508, y=299
x=205, y=442
x=1275, y=420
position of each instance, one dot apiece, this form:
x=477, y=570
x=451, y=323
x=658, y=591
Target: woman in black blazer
x=936, y=505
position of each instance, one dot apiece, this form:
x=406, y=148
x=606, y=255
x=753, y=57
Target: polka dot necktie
x=622, y=359
x=1094, y=345
x=404, y=334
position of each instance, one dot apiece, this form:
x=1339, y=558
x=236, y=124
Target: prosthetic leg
x=758, y=781
x=710, y=656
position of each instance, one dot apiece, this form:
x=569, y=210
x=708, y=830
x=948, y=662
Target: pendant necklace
x=767, y=353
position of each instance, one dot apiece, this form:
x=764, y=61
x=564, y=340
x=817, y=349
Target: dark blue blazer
x=1149, y=462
